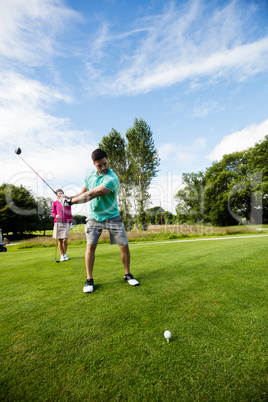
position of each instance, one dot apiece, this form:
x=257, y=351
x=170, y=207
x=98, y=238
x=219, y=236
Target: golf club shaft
x=56, y=251
x=38, y=175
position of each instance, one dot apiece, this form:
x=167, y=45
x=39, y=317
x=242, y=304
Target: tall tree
x=115, y=147
x=143, y=163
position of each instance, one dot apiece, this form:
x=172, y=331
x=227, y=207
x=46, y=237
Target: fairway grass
x=59, y=344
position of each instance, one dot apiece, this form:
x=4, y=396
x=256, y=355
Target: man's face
x=102, y=165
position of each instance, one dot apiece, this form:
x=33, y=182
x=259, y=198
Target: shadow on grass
x=76, y=258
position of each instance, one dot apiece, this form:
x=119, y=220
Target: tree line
x=230, y=192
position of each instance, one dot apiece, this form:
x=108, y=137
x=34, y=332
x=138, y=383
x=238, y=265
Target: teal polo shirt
x=104, y=207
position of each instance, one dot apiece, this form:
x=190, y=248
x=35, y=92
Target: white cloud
x=180, y=44
x=204, y=109
x=183, y=154
x=28, y=29
x=240, y=140
x=17, y=89
x=23, y=115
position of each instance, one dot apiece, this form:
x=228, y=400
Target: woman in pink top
x=62, y=220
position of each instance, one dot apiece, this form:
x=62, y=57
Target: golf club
x=18, y=152
x=57, y=241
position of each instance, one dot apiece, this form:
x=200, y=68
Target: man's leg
x=90, y=259
x=93, y=231
x=125, y=257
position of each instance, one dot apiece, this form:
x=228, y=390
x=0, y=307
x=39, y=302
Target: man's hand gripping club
x=66, y=202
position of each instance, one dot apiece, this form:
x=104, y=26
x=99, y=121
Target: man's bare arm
x=86, y=196
x=84, y=189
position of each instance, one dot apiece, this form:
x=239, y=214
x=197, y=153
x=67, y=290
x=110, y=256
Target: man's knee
x=91, y=247
x=124, y=248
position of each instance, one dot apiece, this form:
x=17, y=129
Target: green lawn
x=58, y=344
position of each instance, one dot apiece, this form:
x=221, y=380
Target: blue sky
x=70, y=71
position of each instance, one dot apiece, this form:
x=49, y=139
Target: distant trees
x=79, y=219
x=190, y=198
x=45, y=220
x=158, y=216
x=231, y=191
x=257, y=160
x=155, y=215
x=18, y=209
x=21, y=213
x=135, y=162
x=227, y=191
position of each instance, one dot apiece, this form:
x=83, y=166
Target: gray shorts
x=115, y=226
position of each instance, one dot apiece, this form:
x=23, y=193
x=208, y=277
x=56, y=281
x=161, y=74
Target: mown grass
x=60, y=344
x=154, y=233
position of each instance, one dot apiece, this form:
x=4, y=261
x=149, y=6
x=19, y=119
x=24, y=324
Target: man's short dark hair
x=98, y=154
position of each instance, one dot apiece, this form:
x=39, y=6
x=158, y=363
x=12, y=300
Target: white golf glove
x=66, y=202
x=71, y=225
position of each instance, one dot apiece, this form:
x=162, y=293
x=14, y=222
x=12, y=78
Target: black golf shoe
x=88, y=288
x=132, y=281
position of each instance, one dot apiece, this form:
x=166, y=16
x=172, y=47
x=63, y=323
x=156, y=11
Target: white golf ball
x=167, y=335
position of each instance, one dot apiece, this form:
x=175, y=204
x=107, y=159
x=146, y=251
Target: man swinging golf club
x=101, y=188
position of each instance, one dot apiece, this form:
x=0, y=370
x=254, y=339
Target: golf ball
x=18, y=151
x=167, y=335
